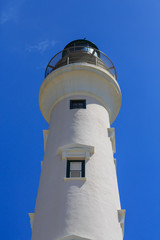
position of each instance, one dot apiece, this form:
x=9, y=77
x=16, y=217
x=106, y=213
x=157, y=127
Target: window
x=75, y=156
x=75, y=168
x=78, y=103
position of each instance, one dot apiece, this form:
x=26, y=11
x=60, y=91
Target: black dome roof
x=80, y=42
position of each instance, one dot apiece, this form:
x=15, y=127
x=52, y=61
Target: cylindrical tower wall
x=87, y=209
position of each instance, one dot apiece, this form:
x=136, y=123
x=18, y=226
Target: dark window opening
x=75, y=168
x=80, y=103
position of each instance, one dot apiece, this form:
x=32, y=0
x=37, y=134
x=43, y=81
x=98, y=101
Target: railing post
x=96, y=61
x=67, y=56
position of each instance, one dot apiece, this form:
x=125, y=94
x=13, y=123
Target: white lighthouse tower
x=78, y=194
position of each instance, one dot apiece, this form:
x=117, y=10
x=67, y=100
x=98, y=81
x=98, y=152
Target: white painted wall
x=86, y=209
x=80, y=78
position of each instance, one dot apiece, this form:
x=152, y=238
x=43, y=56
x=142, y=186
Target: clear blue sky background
x=129, y=33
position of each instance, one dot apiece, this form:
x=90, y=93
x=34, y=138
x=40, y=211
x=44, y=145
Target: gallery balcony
x=80, y=53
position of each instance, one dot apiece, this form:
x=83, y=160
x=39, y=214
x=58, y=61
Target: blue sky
x=129, y=33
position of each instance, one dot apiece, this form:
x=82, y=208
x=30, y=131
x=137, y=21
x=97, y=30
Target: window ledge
x=111, y=135
x=76, y=178
x=121, y=218
x=45, y=136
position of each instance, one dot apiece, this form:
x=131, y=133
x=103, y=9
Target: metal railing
x=81, y=54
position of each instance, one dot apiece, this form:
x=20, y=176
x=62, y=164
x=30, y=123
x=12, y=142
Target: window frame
x=68, y=171
x=72, y=101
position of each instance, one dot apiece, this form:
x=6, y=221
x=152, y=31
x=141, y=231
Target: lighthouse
x=78, y=197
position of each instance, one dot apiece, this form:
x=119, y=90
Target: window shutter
x=71, y=104
x=68, y=169
x=83, y=168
